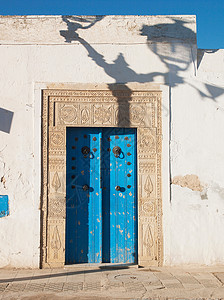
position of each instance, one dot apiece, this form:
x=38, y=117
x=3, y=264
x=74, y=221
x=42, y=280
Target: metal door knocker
x=116, y=151
x=85, y=151
x=85, y=187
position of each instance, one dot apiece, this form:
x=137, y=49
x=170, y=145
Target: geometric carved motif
x=102, y=114
x=147, y=142
x=56, y=207
x=68, y=113
x=85, y=115
x=55, y=236
x=104, y=107
x=56, y=242
x=147, y=167
x=56, y=163
x=148, y=208
x=56, y=139
x=56, y=183
x=148, y=186
x=148, y=241
x=137, y=114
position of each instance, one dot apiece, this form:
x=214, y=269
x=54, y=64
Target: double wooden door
x=101, y=195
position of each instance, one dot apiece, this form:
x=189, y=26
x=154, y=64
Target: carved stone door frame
x=112, y=105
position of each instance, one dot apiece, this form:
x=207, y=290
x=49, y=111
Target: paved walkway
x=105, y=282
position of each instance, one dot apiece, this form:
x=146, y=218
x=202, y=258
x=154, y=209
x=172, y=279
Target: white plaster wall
x=33, y=51
x=197, y=126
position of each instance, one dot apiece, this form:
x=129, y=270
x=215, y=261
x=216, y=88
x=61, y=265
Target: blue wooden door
x=101, y=204
x=119, y=195
x=83, y=196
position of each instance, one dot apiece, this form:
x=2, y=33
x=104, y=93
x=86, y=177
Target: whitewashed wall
x=36, y=51
x=197, y=128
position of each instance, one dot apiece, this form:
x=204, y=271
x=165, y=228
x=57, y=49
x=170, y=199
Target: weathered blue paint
x=4, y=205
x=83, y=208
x=101, y=223
x=119, y=207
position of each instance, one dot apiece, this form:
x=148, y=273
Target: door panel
x=119, y=196
x=83, y=207
x=101, y=222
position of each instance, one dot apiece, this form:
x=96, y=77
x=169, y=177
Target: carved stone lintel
x=106, y=114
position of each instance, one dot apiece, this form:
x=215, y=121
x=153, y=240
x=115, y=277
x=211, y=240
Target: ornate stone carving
x=111, y=108
x=137, y=114
x=148, y=241
x=56, y=163
x=56, y=207
x=102, y=114
x=56, y=230
x=148, y=186
x=56, y=183
x=102, y=95
x=57, y=139
x=68, y=113
x=55, y=242
x=149, y=249
x=130, y=112
x=147, y=167
x=147, y=208
x=147, y=141
x=85, y=111
x=57, y=152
